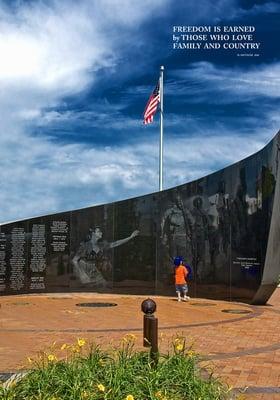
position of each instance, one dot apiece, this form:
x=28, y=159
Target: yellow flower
x=128, y=338
x=129, y=397
x=101, y=387
x=52, y=357
x=179, y=344
x=179, y=347
x=84, y=394
x=63, y=347
x=81, y=342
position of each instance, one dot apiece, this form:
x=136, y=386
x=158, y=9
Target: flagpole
x=161, y=129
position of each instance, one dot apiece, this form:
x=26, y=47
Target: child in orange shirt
x=181, y=274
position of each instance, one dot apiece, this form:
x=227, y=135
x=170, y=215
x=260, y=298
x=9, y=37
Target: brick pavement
x=243, y=349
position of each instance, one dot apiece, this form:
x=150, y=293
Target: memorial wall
x=219, y=224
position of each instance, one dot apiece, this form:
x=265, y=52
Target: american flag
x=151, y=106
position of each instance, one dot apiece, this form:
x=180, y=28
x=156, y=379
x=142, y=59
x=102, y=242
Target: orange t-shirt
x=181, y=273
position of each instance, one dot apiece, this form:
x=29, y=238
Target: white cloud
x=48, y=52
x=231, y=83
x=59, y=48
x=51, y=50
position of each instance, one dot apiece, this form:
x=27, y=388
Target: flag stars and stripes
x=152, y=105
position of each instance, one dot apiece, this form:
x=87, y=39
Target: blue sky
x=74, y=81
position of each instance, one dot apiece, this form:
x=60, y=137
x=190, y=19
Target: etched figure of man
x=200, y=235
x=91, y=263
x=175, y=229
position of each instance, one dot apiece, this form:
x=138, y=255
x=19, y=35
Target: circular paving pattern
x=203, y=304
x=96, y=304
x=236, y=311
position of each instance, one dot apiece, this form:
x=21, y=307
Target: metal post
x=146, y=331
x=150, y=329
x=154, y=340
x=161, y=130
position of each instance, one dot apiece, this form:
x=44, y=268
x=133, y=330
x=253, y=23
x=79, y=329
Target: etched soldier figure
x=175, y=229
x=200, y=235
x=91, y=262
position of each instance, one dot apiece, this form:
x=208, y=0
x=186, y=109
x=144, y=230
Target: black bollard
x=146, y=330
x=150, y=329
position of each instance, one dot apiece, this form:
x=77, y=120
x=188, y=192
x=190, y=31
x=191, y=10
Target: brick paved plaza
x=241, y=345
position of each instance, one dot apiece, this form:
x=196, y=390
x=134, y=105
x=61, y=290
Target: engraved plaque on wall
x=17, y=259
x=58, y=251
x=38, y=257
x=59, y=236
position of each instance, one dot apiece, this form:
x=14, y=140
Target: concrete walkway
x=239, y=342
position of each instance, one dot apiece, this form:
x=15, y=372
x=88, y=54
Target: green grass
x=90, y=373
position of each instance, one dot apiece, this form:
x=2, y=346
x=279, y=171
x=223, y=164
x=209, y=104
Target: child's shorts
x=181, y=288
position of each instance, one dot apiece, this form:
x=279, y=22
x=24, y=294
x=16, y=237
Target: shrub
x=90, y=373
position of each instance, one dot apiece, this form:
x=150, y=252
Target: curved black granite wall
x=221, y=225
